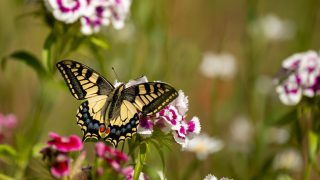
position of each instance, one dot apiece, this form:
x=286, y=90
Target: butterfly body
x=112, y=113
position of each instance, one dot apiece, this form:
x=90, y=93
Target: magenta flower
x=301, y=77
x=65, y=144
x=129, y=171
x=170, y=117
x=145, y=127
x=7, y=122
x=112, y=156
x=60, y=166
x=67, y=11
x=93, y=14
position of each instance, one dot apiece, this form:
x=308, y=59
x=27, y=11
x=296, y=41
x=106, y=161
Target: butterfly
x=111, y=113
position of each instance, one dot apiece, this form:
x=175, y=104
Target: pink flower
x=8, y=122
x=129, y=171
x=300, y=76
x=112, y=156
x=67, y=11
x=60, y=166
x=170, y=116
x=65, y=144
x=145, y=127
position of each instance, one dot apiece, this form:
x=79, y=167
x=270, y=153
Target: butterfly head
x=104, y=131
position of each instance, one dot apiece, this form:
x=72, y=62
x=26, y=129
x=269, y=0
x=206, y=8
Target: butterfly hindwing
x=83, y=82
x=149, y=98
x=91, y=117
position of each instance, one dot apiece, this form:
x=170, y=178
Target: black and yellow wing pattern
x=108, y=113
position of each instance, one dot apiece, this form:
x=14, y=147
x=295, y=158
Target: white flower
x=289, y=159
x=273, y=28
x=67, y=11
x=142, y=79
x=218, y=65
x=181, y=103
x=212, y=177
x=119, y=11
x=241, y=132
x=203, y=145
x=301, y=77
x=278, y=135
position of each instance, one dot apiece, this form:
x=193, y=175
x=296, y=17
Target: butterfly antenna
x=115, y=73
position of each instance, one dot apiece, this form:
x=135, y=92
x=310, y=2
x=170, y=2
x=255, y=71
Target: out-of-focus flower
x=289, y=159
x=60, y=166
x=212, y=177
x=272, y=28
x=56, y=154
x=300, y=75
x=221, y=65
x=241, y=131
x=278, y=135
x=93, y=14
x=7, y=123
x=129, y=171
x=112, y=156
x=65, y=144
x=203, y=145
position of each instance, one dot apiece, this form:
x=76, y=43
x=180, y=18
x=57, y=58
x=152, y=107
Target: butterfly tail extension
x=122, y=132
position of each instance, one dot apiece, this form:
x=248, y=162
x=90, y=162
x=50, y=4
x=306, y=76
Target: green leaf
x=7, y=151
x=28, y=58
x=161, y=154
x=313, y=145
x=46, y=51
x=286, y=118
x=140, y=160
x=99, y=42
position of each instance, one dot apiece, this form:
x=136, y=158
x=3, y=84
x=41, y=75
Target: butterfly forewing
x=151, y=97
x=83, y=82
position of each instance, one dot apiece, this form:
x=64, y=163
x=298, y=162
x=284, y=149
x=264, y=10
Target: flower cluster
x=171, y=118
x=300, y=76
x=7, y=122
x=116, y=160
x=57, y=153
x=92, y=14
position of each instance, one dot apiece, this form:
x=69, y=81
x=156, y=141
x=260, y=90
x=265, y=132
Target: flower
x=288, y=159
x=300, y=75
x=67, y=11
x=203, y=145
x=145, y=127
x=129, y=171
x=222, y=65
x=65, y=144
x=93, y=14
x=272, y=28
x=278, y=135
x=181, y=103
x=61, y=166
x=7, y=122
x=112, y=156
x=56, y=154
x=241, y=131
x=212, y=177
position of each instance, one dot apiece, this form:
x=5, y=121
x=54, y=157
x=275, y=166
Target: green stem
x=140, y=160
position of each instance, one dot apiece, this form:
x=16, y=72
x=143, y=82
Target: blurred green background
x=166, y=40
